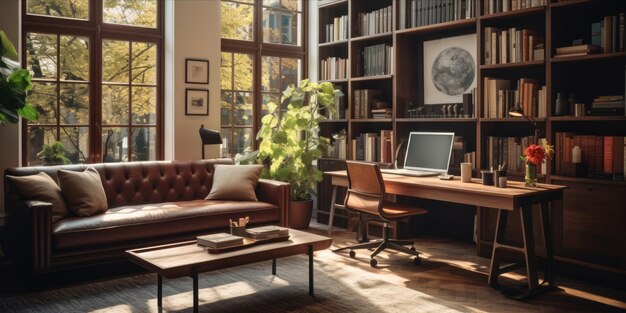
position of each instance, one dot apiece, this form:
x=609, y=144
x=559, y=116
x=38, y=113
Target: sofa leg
x=160, y=293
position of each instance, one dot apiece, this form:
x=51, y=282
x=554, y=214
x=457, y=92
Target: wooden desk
x=515, y=198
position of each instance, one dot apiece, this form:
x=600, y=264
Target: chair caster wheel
x=417, y=261
x=352, y=254
x=373, y=262
x=412, y=248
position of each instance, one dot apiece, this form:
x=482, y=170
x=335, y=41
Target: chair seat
x=399, y=210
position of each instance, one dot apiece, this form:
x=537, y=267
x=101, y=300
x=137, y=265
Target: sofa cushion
x=137, y=222
x=83, y=191
x=43, y=188
x=235, y=182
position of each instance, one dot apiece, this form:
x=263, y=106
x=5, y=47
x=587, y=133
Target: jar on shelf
x=561, y=107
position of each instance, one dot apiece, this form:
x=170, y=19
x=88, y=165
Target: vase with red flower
x=533, y=157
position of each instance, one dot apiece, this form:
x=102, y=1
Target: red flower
x=535, y=154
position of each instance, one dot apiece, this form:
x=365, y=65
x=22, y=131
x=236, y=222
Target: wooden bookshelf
x=591, y=204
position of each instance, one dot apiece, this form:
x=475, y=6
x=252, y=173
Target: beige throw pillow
x=235, y=182
x=83, y=191
x=41, y=187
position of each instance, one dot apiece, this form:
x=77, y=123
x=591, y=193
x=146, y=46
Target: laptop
x=427, y=154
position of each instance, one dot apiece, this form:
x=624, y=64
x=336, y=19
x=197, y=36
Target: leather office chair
x=366, y=196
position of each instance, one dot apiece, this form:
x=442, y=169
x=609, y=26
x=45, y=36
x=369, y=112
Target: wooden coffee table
x=188, y=259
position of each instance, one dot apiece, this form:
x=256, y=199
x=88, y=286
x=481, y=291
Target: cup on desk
x=466, y=172
x=499, y=174
x=487, y=177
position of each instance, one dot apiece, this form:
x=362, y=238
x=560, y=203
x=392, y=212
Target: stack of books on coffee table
x=220, y=240
x=267, y=232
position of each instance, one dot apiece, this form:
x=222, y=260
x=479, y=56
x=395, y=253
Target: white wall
x=196, y=35
x=9, y=133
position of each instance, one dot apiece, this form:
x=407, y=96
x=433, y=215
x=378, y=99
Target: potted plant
x=290, y=143
x=15, y=83
x=53, y=154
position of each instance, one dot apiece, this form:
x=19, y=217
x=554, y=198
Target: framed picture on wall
x=449, y=69
x=196, y=102
x=196, y=71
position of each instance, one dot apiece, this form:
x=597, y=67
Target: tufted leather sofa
x=149, y=203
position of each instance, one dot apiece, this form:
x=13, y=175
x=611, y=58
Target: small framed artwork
x=449, y=69
x=196, y=102
x=196, y=71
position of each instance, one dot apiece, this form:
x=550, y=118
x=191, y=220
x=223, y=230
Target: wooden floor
x=452, y=270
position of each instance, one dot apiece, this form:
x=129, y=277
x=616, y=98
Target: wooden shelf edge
x=588, y=180
x=513, y=65
x=438, y=27
x=569, y=3
x=334, y=81
x=330, y=4
x=332, y=43
x=366, y=78
x=371, y=37
x=371, y=120
x=588, y=118
x=511, y=119
x=514, y=13
x=590, y=57
x=411, y=119
x=334, y=121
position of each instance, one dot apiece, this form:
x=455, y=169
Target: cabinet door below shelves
x=594, y=223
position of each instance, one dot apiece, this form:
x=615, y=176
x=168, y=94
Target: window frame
x=259, y=49
x=97, y=31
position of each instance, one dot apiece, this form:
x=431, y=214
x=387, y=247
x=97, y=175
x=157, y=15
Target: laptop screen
x=429, y=151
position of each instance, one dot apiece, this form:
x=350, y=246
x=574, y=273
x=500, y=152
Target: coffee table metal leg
x=310, y=270
x=194, y=275
x=274, y=267
x=160, y=293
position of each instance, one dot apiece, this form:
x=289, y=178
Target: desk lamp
x=516, y=111
x=209, y=137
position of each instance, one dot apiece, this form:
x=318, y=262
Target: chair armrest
x=30, y=226
x=277, y=193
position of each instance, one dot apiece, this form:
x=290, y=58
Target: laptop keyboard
x=407, y=172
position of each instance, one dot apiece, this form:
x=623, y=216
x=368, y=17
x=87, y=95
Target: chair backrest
x=366, y=188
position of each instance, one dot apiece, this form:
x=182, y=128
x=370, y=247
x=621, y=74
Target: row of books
x=374, y=147
x=381, y=113
x=376, y=22
x=576, y=50
x=224, y=240
x=512, y=45
x=608, y=105
x=333, y=68
x=600, y=154
x=508, y=150
x=609, y=33
x=338, y=30
x=377, y=60
x=415, y=13
x=497, y=6
x=364, y=101
x=458, y=154
x=500, y=98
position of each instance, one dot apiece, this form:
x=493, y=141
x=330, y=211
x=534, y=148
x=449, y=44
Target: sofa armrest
x=30, y=226
x=277, y=193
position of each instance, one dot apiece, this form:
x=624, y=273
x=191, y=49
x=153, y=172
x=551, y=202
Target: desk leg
x=194, y=276
x=526, y=214
x=310, y=253
x=494, y=270
x=160, y=292
x=331, y=217
x=547, y=236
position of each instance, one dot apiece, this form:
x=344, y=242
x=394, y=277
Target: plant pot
x=300, y=214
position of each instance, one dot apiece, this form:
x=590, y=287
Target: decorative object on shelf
x=290, y=141
x=572, y=103
x=561, y=106
x=53, y=154
x=576, y=155
x=533, y=156
x=449, y=69
x=15, y=82
x=579, y=109
x=209, y=137
x=196, y=71
x=196, y=102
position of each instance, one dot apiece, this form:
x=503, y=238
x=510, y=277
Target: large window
x=96, y=67
x=263, y=52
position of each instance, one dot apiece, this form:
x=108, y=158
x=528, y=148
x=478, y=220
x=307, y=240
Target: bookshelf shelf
x=513, y=14
x=588, y=180
x=452, y=25
x=570, y=3
x=371, y=78
x=333, y=43
x=591, y=57
x=436, y=120
x=371, y=120
x=334, y=121
x=513, y=65
x=335, y=81
x=511, y=119
x=371, y=37
x=588, y=118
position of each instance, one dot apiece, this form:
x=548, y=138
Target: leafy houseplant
x=290, y=140
x=53, y=154
x=15, y=83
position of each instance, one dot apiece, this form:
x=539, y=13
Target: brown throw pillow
x=235, y=182
x=83, y=191
x=41, y=187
